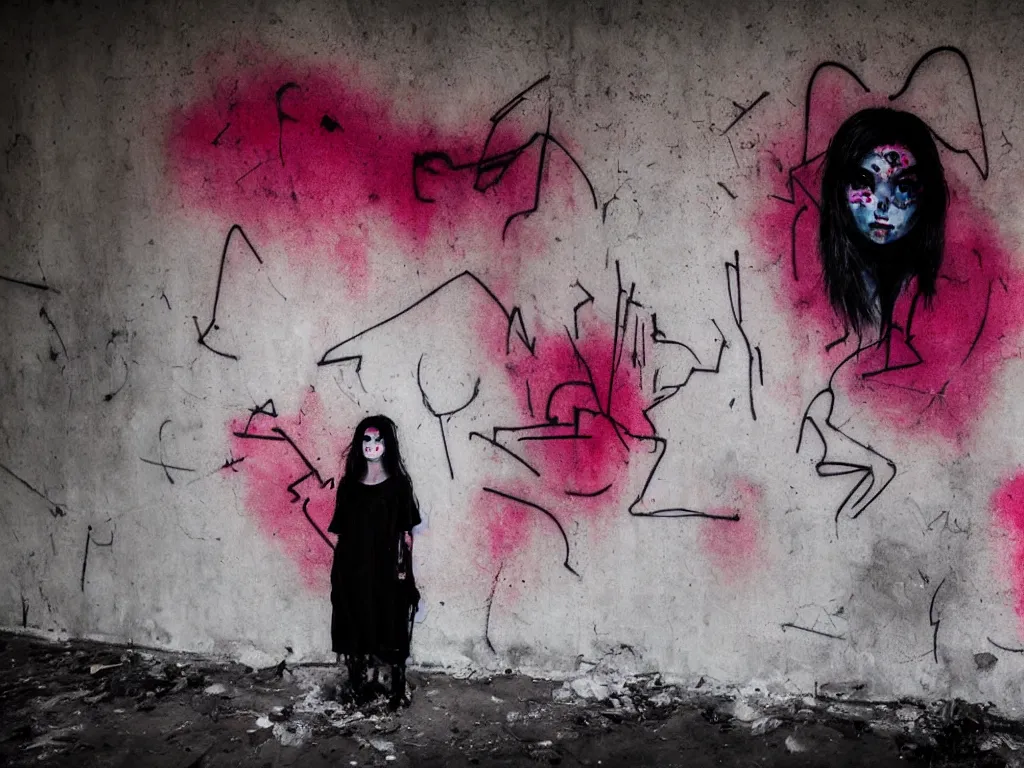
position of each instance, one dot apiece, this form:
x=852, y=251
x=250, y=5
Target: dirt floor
x=85, y=704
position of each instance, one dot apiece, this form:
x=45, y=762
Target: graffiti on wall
x=576, y=439
x=897, y=281
x=893, y=280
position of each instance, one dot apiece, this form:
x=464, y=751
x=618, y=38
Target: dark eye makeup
x=862, y=180
x=908, y=184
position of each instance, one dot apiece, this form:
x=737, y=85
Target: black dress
x=373, y=608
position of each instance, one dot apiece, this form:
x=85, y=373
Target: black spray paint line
x=282, y=117
x=43, y=314
x=590, y=494
x=111, y=395
x=165, y=466
x=85, y=557
x=551, y=516
x=825, y=467
x=229, y=463
x=729, y=192
x=983, y=172
x=162, y=463
x=203, y=333
x=1004, y=647
x=27, y=284
x=312, y=522
x=441, y=416
x=491, y=168
x=736, y=302
x=658, y=337
x=792, y=240
x=744, y=110
x=490, y=604
x=981, y=326
x=280, y=435
x=216, y=139
x=790, y=625
x=57, y=511
x=501, y=447
x=578, y=307
x=238, y=181
x=935, y=622
x=323, y=482
x=24, y=612
x=267, y=409
x=673, y=389
x=625, y=303
x=513, y=316
x=956, y=528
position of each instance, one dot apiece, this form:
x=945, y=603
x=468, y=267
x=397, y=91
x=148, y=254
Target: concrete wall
x=224, y=223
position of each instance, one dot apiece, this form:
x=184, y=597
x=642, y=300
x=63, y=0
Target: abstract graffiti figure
x=897, y=272
x=883, y=218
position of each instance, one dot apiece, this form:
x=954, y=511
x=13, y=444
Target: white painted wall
x=641, y=93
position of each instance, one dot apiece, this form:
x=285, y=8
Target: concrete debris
x=793, y=744
x=586, y=688
x=764, y=725
x=292, y=734
x=562, y=695
x=55, y=706
x=661, y=699
x=744, y=712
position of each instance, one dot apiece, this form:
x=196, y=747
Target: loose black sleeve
x=338, y=521
x=412, y=510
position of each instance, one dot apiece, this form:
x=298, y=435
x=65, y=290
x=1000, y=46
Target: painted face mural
x=373, y=445
x=883, y=194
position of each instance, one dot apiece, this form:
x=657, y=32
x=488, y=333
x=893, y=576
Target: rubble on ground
x=60, y=699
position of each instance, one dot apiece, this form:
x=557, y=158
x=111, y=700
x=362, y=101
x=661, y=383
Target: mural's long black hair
x=864, y=279
x=355, y=462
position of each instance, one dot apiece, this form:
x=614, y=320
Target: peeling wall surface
x=573, y=251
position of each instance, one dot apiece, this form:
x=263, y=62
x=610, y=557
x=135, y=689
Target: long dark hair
x=355, y=462
x=864, y=279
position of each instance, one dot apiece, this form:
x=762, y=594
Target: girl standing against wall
x=373, y=591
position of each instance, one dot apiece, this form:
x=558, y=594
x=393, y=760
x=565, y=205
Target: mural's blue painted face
x=883, y=195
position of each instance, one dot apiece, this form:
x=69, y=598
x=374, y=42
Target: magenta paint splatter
x=582, y=417
x=507, y=525
x=592, y=400
x=733, y=547
x=303, y=156
x=1007, y=505
x=273, y=464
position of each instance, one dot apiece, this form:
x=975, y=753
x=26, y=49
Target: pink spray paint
x=963, y=335
x=583, y=402
x=300, y=155
x=1007, y=505
x=270, y=466
x=733, y=548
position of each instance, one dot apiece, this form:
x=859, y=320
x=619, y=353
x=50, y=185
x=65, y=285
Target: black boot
x=356, y=664
x=398, y=697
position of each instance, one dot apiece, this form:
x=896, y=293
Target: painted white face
x=373, y=444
